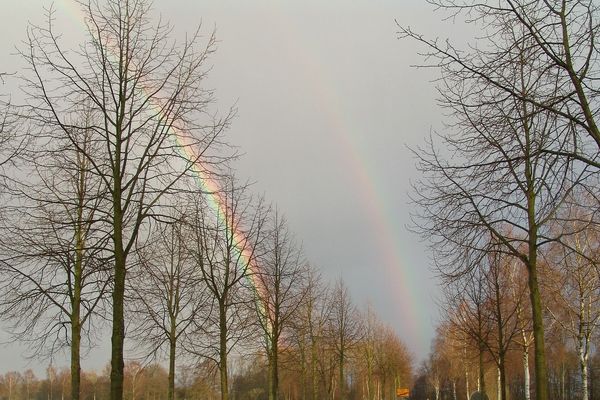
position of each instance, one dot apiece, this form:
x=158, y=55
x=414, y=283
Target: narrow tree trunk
x=117, y=366
x=118, y=328
x=563, y=388
x=498, y=384
x=541, y=375
x=51, y=381
x=584, y=377
x=273, y=371
x=467, y=383
x=582, y=346
x=76, y=330
x=332, y=386
x=481, y=380
x=223, y=352
x=75, y=357
x=313, y=366
x=583, y=365
x=172, y=350
x=303, y=371
x=369, y=378
x=76, y=298
x=502, y=377
x=133, y=385
x=541, y=381
x=454, y=389
x=342, y=379
x=527, y=383
x=501, y=392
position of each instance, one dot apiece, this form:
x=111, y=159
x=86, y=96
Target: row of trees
x=120, y=208
x=509, y=192
x=485, y=338
x=310, y=365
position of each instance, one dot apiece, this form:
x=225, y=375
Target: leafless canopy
x=560, y=37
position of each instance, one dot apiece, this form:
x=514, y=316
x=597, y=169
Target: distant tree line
x=376, y=363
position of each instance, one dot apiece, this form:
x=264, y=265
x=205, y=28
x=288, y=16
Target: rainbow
x=213, y=195
x=405, y=291
x=218, y=204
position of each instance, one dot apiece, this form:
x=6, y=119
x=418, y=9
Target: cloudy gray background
x=327, y=104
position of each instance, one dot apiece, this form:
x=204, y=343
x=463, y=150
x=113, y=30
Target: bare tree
x=281, y=273
x=310, y=331
x=368, y=349
x=168, y=294
x=435, y=367
x=224, y=247
x=468, y=314
x=451, y=342
x=345, y=329
x=384, y=359
x=154, y=125
x=500, y=177
x=561, y=37
x=504, y=307
x=52, y=249
x=572, y=279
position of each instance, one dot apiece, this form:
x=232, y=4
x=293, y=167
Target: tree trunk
x=75, y=357
x=313, y=366
x=541, y=381
x=303, y=371
x=454, y=390
x=118, y=328
x=563, y=387
x=502, y=378
x=172, y=350
x=117, y=366
x=541, y=375
x=223, y=352
x=273, y=371
x=527, y=384
x=498, y=384
x=76, y=330
x=342, y=381
x=369, y=378
x=583, y=365
x=501, y=389
x=467, y=384
x=481, y=379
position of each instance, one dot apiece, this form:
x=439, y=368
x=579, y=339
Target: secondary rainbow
x=403, y=280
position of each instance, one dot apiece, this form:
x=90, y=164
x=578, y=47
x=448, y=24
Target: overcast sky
x=327, y=105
